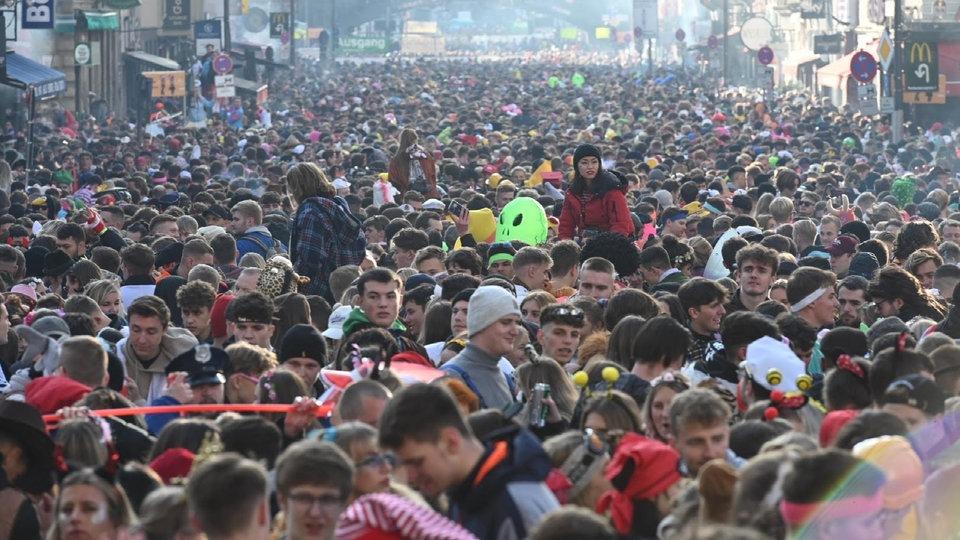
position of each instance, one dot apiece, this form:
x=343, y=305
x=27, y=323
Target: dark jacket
x=324, y=237
x=257, y=240
x=18, y=516
x=606, y=211
x=505, y=496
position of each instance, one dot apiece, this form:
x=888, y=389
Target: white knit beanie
x=488, y=305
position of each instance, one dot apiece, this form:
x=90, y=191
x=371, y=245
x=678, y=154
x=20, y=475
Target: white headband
x=808, y=299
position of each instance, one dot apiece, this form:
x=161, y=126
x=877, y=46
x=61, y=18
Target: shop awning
x=834, y=73
x=96, y=20
x=45, y=81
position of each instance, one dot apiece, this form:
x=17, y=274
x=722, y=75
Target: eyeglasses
x=378, y=460
x=805, y=203
x=327, y=503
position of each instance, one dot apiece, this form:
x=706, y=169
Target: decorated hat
x=774, y=366
x=204, y=364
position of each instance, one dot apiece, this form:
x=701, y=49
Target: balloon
x=482, y=225
x=553, y=81
x=523, y=219
x=578, y=80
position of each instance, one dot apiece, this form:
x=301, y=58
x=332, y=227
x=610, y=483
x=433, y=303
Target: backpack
x=275, y=249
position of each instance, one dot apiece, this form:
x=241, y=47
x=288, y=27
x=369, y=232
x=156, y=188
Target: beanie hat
x=218, y=315
x=489, y=304
x=896, y=458
x=585, y=150
x=173, y=464
x=303, y=341
x=832, y=423
x=864, y=264
x=389, y=516
x=888, y=325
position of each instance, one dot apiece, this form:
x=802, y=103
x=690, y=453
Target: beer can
x=538, y=409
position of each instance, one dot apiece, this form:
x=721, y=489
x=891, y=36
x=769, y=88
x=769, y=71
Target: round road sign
x=756, y=32
x=81, y=54
x=637, y=32
x=680, y=35
x=863, y=66
x=222, y=64
x=765, y=55
x=713, y=42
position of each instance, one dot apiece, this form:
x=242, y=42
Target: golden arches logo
x=921, y=52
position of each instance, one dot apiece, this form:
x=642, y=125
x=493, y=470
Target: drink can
x=538, y=410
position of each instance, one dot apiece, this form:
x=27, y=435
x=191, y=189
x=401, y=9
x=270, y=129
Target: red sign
x=863, y=66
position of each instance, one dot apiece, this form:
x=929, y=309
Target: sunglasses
x=378, y=460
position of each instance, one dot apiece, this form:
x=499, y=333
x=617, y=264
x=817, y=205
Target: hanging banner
x=36, y=14
x=205, y=33
x=176, y=15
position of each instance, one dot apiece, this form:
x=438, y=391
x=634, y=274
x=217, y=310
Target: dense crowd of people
x=482, y=300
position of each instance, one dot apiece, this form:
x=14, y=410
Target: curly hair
x=893, y=283
x=913, y=236
x=616, y=248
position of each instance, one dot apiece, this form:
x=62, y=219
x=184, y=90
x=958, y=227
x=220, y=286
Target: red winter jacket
x=607, y=210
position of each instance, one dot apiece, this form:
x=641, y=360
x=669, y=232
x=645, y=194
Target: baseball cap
x=843, y=245
x=335, y=322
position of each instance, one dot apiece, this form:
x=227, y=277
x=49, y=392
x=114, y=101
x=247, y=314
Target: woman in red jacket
x=596, y=200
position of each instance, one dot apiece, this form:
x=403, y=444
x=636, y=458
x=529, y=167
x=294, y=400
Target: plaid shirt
x=324, y=237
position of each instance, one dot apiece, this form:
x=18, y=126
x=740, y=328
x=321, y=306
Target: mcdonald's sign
x=922, y=69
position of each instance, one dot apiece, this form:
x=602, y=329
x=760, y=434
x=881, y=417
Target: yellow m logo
x=920, y=52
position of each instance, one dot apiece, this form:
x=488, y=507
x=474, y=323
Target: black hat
x=218, y=211
x=170, y=254
x=35, y=256
x=56, y=263
x=25, y=425
x=204, y=364
x=585, y=150
x=303, y=341
x=859, y=229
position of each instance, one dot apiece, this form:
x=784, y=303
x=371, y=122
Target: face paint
x=523, y=219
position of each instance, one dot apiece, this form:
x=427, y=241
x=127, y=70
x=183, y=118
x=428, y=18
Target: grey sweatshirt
x=485, y=377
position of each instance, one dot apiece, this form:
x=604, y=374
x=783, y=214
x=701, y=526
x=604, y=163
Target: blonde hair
x=99, y=289
x=305, y=180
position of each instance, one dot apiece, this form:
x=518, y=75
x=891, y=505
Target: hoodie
x=152, y=379
x=50, y=394
x=357, y=320
x=505, y=495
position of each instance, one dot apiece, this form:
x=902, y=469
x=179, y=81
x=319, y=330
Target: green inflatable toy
x=553, y=81
x=578, y=80
x=523, y=219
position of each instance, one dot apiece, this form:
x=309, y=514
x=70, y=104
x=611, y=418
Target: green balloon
x=578, y=80
x=553, y=81
x=774, y=161
x=523, y=219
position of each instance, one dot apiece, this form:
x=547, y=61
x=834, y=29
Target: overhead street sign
x=828, y=44
x=645, y=18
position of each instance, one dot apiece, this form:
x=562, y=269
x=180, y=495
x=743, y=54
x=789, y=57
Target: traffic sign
x=867, y=94
x=756, y=32
x=863, y=67
x=222, y=64
x=885, y=50
x=680, y=35
x=81, y=54
x=645, y=18
x=922, y=67
x=637, y=32
x=713, y=42
x=765, y=55
x=279, y=23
